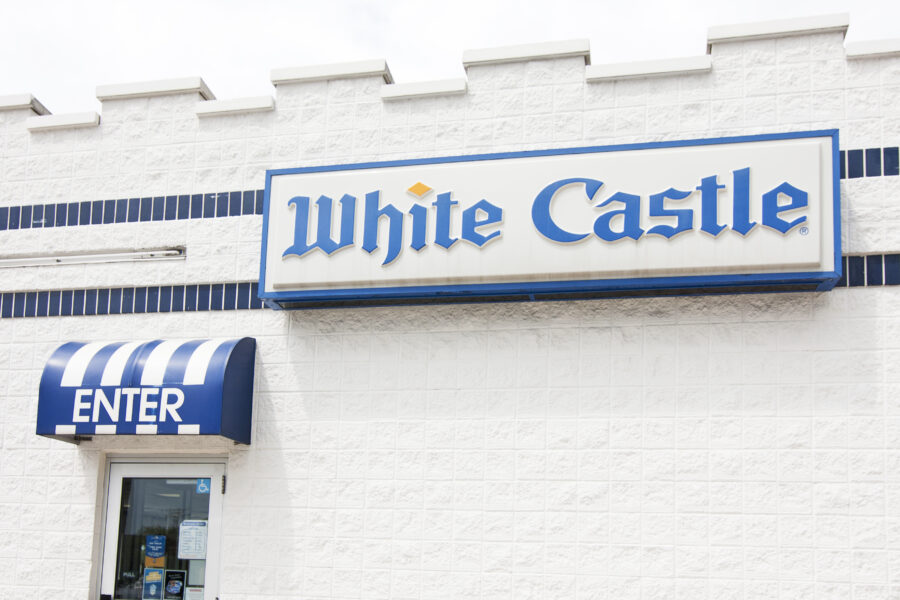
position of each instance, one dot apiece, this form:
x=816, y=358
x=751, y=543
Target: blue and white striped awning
x=161, y=387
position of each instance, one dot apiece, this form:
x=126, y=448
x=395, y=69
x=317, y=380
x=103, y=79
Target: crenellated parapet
x=23, y=102
x=373, y=77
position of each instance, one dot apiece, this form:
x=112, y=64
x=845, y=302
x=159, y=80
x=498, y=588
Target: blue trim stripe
x=196, y=206
x=892, y=161
x=140, y=299
x=78, y=302
x=43, y=300
x=65, y=303
x=103, y=301
x=184, y=207
x=114, y=301
x=871, y=270
x=90, y=302
x=177, y=299
x=25, y=218
x=892, y=269
x=854, y=164
x=215, y=296
x=131, y=210
x=190, y=298
x=121, y=210
x=30, y=304
x=856, y=271
x=203, y=297
x=870, y=162
x=836, y=215
x=874, y=269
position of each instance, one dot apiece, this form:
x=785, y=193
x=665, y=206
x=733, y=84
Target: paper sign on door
x=192, y=540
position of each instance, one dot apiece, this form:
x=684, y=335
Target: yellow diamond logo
x=419, y=189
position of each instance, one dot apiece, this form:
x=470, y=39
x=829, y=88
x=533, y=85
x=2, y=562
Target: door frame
x=217, y=465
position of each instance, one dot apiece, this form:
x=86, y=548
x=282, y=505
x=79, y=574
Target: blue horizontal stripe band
x=870, y=162
x=128, y=210
x=126, y=300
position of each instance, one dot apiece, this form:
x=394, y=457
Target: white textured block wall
x=732, y=446
x=721, y=447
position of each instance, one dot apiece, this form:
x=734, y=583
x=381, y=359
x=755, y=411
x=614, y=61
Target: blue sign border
x=824, y=280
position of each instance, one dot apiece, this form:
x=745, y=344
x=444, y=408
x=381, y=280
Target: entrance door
x=162, y=531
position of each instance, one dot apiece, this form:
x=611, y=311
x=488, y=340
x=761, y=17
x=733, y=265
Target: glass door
x=162, y=531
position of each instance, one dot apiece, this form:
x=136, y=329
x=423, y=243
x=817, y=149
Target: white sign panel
x=192, y=540
x=757, y=211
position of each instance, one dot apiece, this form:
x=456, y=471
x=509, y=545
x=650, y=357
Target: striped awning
x=157, y=387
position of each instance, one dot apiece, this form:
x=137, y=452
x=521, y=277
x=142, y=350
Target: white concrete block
x=362, y=68
x=873, y=48
x=20, y=101
x=235, y=106
x=778, y=28
x=444, y=87
x=527, y=52
x=649, y=68
x=67, y=121
x=148, y=89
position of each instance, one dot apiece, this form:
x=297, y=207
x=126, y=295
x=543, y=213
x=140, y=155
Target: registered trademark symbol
x=804, y=231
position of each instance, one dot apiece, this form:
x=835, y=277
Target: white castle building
x=555, y=330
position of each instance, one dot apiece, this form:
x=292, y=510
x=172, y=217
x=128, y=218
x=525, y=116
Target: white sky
x=60, y=50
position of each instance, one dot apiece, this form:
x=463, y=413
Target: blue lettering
x=471, y=222
x=630, y=212
x=632, y=218
x=372, y=218
x=443, y=207
x=741, y=202
x=540, y=210
x=475, y=221
x=684, y=218
x=709, y=205
x=301, y=227
x=324, y=240
x=419, y=216
x=771, y=208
